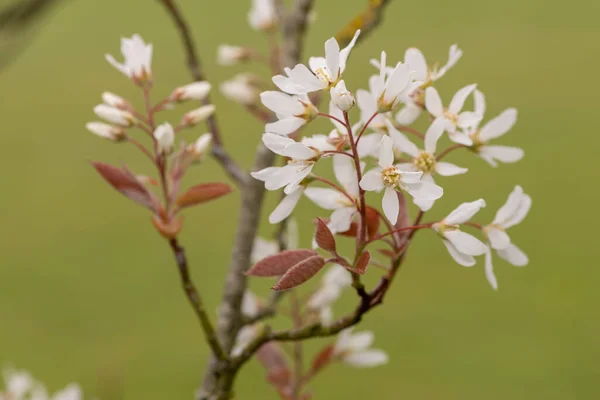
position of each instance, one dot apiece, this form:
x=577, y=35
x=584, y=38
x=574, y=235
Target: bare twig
x=193, y=63
x=365, y=21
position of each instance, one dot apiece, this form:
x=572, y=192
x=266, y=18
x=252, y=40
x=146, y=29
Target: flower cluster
x=20, y=385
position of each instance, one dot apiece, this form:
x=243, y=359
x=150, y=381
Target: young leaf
x=324, y=237
x=202, y=193
x=363, y=262
x=323, y=358
x=279, y=264
x=170, y=229
x=126, y=183
x=373, y=222
x=300, y=273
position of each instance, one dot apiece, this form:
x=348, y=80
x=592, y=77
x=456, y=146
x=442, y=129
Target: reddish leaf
x=322, y=359
x=271, y=356
x=300, y=273
x=126, y=183
x=388, y=253
x=352, y=231
x=324, y=237
x=363, y=262
x=202, y=193
x=373, y=221
x=279, y=264
x=170, y=229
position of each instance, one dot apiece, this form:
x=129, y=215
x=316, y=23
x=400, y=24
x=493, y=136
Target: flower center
x=425, y=162
x=477, y=141
x=451, y=117
x=324, y=75
x=391, y=177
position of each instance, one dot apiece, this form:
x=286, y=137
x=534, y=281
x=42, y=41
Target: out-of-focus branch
x=193, y=62
x=365, y=21
x=294, y=28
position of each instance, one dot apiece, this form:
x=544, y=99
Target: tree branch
x=193, y=62
x=365, y=21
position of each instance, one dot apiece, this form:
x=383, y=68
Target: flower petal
x=460, y=97
x=468, y=119
x=514, y=256
x=276, y=143
x=417, y=62
x=489, y=270
x=372, y=180
x=367, y=358
x=390, y=204
x=433, y=134
x=341, y=219
x=460, y=138
x=285, y=126
x=499, y=239
x=465, y=243
x=345, y=52
x=498, y=126
x=401, y=142
x=408, y=114
x=463, y=259
x=433, y=102
x=344, y=171
x=281, y=103
x=505, y=154
x=332, y=55
x=464, y=212
x=386, y=152
x=286, y=206
x=510, y=207
x=326, y=198
x=448, y=169
x=298, y=151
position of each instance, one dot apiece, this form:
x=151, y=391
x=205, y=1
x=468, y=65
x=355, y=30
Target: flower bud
x=113, y=100
x=193, y=91
x=114, y=115
x=106, y=131
x=341, y=96
x=165, y=136
x=198, y=149
x=241, y=89
x=198, y=115
x=230, y=55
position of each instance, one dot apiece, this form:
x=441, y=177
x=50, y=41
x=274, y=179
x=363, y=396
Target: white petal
x=417, y=62
x=276, y=143
x=408, y=114
x=401, y=142
x=345, y=52
x=302, y=171
x=499, y=125
x=465, y=243
x=345, y=173
x=262, y=248
x=281, y=103
x=464, y=212
x=361, y=340
x=447, y=169
x=433, y=134
x=390, y=204
x=433, y=102
x=281, y=177
x=423, y=204
x=367, y=358
x=489, y=270
x=479, y=102
x=367, y=104
x=427, y=191
x=332, y=55
x=286, y=206
x=510, y=207
x=463, y=259
x=298, y=151
x=460, y=138
x=468, y=119
x=459, y=98
x=288, y=85
x=505, y=154
x=339, y=114
x=498, y=238
x=301, y=75
x=372, y=180
x=386, y=152
x=396, y=82
x=326, y=198
x=369, y=145
x=514, y=255
x=521, y=212
x=285, y=126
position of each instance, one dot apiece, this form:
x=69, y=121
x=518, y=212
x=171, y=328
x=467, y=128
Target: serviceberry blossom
x=263, y=248
x=242, y=89
x=510, y=214
x=325, y=72
x=198, y=115
x=493, y=129
x=199, y=148
x=292, y=111
x=250, y=308
x=262, y=16
x=114, y=115
x=193, y=91
x=228, y=55
x=391, y=87
x=393, y=179
x=367, y=103
x=354, y=349
x=342, y=97
x=424, y=160
x=452, y=115
x=137, y=59
x=116, y=101
x=343, y=205
x=21, y=386
x=333, y=283
x=106, y=131
x=165, y=137
x=461, y=246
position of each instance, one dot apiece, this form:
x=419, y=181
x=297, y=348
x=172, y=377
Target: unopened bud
x=342, y=97
x=106, y=131
x=165, y=136
x=198, y=115
x=193, y=91
x=198, y=149
x=230, y=55
x=113, y=100
x=114, y=115
x=241, y=89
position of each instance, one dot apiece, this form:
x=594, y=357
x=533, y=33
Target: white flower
x=228, y=55
x=114, y=115
x=262, y=248
x=200, y=146
x=192, y=91
x=302, y=160
x=292, y=111
x=367, y=103
x=138, y=57
x=393, y=179
x=493, y=129
x=389, y=91
x=354, y=349
x=286, y=206
x=18, y=383
x=452, y=115
x=262, y=15
x=250, y=305
x=326, y=71
x=424, y=160
x=71, y=392
x=241, y=89
x=461, y=246
x=341, y=96
x=113, y=100
x=165, y=136
x=510, y=214
x=244, y=337
x=198, y=115
x=106, y=131
x=334, y=281
x=330, y=199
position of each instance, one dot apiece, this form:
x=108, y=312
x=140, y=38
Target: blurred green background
x=89, y=292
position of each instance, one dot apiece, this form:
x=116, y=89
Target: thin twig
x=449, y=149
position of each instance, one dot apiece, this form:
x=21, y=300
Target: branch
x=365, y=21
x=193, y=63
x=196, y=300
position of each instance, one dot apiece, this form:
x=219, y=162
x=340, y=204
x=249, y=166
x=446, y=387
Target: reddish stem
x=407, y=228
x=336, y=187
x=410, y=130
x=448, y=150
x=364, y=128
x=142, y=149
x=332, y=117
